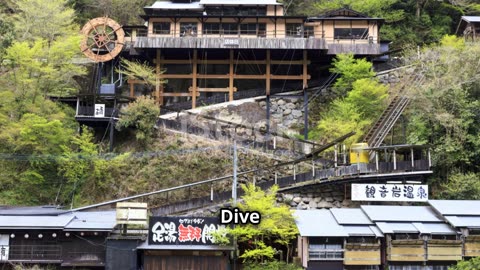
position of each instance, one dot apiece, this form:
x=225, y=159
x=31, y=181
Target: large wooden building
x=220, y=48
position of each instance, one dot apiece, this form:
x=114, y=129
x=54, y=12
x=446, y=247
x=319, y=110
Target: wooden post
x=230, y=80
x=132, y=89
x=157, y=84
x=194, y=79
x=267, y=87
x=394, y=160
x=412, y=158
x=305, y=69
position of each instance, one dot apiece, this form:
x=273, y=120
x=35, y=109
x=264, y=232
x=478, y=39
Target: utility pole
x=234, y=197
x=235, y=168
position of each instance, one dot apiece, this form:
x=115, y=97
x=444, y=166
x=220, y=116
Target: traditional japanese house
x=337, y=239
x=374, y=237
x=469, y=28
x=464, y=216
x=49, y=236
x=415, y=237
x=184, y=243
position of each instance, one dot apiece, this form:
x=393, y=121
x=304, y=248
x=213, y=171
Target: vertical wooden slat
x=194, y=80
x=230, y=83
x=267, y=87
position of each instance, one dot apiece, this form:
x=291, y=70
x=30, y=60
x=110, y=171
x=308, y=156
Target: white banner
x=390, y=192
x=99, y=110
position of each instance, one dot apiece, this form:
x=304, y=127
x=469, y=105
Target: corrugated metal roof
x=395, y=227
x=320, y=223
x=171, y=5
x=30, y=210
x=376, y=231
x=239, y=2
x=27, y=222
x=145, y=245
x=345, y=216
x=456, y=207
x=98, y=221
x=471, y=18
x=464, y=222
x=434, y=228
x=359, y=231
x=400, y=213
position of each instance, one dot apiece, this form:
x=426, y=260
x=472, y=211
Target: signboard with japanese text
x=4, y=247
x=390, y=192
x=99, y=110
x=183, y=230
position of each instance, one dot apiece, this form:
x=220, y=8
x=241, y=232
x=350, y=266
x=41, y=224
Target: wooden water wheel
x=103, y=39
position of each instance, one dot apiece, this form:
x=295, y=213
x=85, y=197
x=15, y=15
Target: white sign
x=390, y=192
x=4, y=247
x=99, y=110
x=231, y=42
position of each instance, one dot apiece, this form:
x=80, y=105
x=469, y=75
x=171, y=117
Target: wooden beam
x=305, y=69
x=288, y=77
x=227, y=62
x=230, y=79
x=214, y=90
x=268, y=73
x=194, y=79
x=176, y=76
x=213, y=76
x=178, y=94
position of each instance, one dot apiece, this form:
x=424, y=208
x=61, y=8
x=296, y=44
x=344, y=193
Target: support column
x=230, y=79
x=268, y=74
x=305, y=94
x=157, y=84
x=305, y=69
x=194, y=80
x=267, y=88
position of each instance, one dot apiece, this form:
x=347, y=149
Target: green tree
x=356, y=112
x=142, y=115
x=349, y=69
x=445, y=105
x=55, y=19
x=471, y=264
x=277, y=225
x=460, y=187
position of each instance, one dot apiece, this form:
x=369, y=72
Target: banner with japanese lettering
x=183, y=230
x=390, y=192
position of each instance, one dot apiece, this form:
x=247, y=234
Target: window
x=248, y=29
x=308, y=31
x=405, y=267
x=188, y=29
x=293, y=30
x=325, y=252
x=211, y=28
x=351, y=33
x=230, y=28
x=161, y=28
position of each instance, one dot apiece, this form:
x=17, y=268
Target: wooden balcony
x=444, y=250
x=472, y=246
x=362, y=254
x=230, y=43
x=406, y=251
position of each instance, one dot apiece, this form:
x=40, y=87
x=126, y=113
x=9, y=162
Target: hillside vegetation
x=45, y=160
